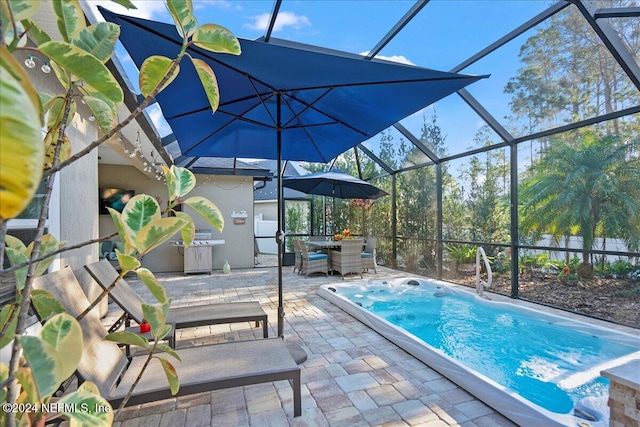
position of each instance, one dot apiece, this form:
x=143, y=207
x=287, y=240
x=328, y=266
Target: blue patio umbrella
x=282, y=102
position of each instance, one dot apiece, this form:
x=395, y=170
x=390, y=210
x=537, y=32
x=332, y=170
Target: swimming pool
x=535, y=368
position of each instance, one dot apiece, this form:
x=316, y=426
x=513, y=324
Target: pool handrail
x=481, y=284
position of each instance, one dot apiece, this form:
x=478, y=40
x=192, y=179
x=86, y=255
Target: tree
x=592, y=184
x=39, y=365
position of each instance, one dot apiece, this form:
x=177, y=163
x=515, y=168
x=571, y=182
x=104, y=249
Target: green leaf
x=125, y=3
x=128, y=338
x=172, y=375
x=98, y=39
x=55, y=108
x=206, y=209
x=155, y=317
x=64, y=334
x=36, y=32
x=216, y=38
x=21, y=151
x=48, y=244
x=123, y=231
x=8, y=322
x=104, y=112
x=208, y=81
x=157, y=232
x=127, y=262
x=180, y=182
x=169, y=350
x=85, y=67
x=85, y=407
x=188, y=232
x=45, y=303
x=17, y=257
x=166, y=331
x=21, y=9
x=182, y=13
x=4, y=375
x=153, y=70
x=70, y=18
x=45, y=364
x=137, y=213
x=157, y=290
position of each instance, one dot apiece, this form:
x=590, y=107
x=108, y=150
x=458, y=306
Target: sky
x=441, y=36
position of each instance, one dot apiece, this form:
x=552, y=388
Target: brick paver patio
x=352, y=377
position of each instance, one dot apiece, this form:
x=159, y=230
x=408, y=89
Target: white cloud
x=394, y=58
x=284, y=19
x=145, y=9
x=204, y=4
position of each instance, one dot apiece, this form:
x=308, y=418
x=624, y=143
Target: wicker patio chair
x=369, y=255
x=200, y=369
x=313, y=262
x=348, y=259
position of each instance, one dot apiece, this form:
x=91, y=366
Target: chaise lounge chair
x=182, y=317
x=204, y=368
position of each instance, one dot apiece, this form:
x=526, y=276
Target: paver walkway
x=353, y=376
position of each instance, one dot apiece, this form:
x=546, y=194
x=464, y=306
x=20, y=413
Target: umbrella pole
x=280, y=234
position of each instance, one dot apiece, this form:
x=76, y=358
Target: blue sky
x=445, y=33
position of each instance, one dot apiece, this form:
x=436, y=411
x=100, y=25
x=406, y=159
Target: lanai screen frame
x=595, y=18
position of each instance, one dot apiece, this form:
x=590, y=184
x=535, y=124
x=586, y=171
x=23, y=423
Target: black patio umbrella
x=282, y=102
x=334, y=184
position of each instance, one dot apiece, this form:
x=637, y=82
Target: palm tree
x=592, y=185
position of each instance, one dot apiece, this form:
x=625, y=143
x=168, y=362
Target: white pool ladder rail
x=481, y=284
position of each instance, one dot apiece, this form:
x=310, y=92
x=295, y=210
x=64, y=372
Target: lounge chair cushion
x=316, y=256
x=366, y=255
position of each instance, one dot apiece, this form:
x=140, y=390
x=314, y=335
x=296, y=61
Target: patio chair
x=183, y=317
x=298, y=254
x=313, y=262
x=348, y=259
x=204, y=368
x=368, y=255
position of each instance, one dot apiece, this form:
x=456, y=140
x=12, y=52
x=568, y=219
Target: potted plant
x=464, y=256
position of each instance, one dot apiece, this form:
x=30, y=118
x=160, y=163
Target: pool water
x=536, y=356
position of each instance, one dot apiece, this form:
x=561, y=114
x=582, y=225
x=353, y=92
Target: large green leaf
x=157, y=290
x=64, y=333
x=123, y=231
x=208, y=81
x=172, y=375
x=86, y=408
x=218, y=39
x=182, y=13
x=16, y=257
x=85, y=67
x=45, y=303
x=155, y=317
x=180, y=181
x=125, y=3
x=20, y=9
x=206, y=209
x=36, y=33
x=8, y=322
x=105, y=113
x=45, y=362
x=4, y=374
x=138, y=212
x=48, y=244
x=127, y=262
x=70, y=18
x=188, y=232
x=98, y=39
x=157, y=232
x=169, y=350
x=21, y=151
x=153, y=70
x=128, y=338
x=55, y=107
